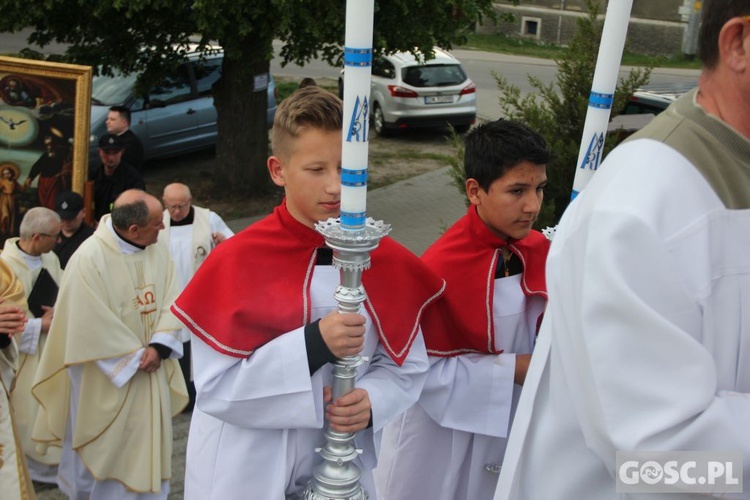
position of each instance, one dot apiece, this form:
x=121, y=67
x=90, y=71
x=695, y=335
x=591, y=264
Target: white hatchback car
x=407, y=92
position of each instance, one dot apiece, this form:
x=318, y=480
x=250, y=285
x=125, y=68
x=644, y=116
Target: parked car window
x=112, y=90
x=433, y=75
x=639, y=108
x=139, y=104
x=383, y=68
x=206, y=74
x=175, y=88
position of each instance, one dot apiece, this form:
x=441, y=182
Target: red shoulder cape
x=466, y=257
x=256, y=286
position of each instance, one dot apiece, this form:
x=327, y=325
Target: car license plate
x=438, y=99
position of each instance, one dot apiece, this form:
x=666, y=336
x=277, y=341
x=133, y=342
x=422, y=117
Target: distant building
x=656, y=28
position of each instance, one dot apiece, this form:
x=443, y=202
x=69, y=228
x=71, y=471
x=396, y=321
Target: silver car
x=173, y=118
x=655, y=98
x=409, y=93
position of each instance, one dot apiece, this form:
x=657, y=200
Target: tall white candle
x=602, y=92
x=358, y=64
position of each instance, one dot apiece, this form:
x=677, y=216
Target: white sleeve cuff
x=171, y=339
x=120, y=370
x=30, y=336
x=471, y=393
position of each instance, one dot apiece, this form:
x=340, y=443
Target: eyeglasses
x=177, y=207
x=51, y=235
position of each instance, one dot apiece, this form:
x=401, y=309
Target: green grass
x=675, y=61
x=515, y=46
x=285, y=88
x=286, y=85
x=380, y=157
x=530, y=48
x=408, y=154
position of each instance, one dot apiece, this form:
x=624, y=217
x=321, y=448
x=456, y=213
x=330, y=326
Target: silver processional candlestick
x=337, y=477
x=352, y=237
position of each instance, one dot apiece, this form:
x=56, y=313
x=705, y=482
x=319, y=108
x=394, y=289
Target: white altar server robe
x=450, y=445
x=258, y=420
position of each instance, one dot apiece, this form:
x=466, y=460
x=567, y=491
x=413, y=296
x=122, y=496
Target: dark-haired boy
x=481, y=333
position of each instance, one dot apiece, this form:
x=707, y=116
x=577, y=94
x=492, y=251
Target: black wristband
x=318, y=353
x=164, y=351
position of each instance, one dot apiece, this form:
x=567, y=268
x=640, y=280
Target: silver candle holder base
x=337, y=477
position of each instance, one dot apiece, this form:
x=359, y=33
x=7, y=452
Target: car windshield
x=112, y=90
x=433, y=75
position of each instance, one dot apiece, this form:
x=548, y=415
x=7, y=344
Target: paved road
x=479, y=65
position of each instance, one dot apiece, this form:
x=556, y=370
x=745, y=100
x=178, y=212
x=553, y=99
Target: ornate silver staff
x=352, y=237
x=337, y=477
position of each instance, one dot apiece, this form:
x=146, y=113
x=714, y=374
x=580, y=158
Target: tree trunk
x=242, y=145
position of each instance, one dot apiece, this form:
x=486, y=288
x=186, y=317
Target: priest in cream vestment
x=15, y=482
x=110, y=383
x=27, y=256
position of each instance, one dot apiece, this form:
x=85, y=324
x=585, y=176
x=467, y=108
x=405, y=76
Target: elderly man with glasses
x=191, y=232
x=32, y=260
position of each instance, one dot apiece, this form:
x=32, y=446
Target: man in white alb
x=645, y=343
x=191, y=233
x=27, y=256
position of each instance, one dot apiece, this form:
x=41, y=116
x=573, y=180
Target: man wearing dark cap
x=69, y=206
x=112, y=176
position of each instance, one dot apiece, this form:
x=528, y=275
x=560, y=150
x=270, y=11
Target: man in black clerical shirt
x=112, y=176
x=118, y=123
x=69, y=206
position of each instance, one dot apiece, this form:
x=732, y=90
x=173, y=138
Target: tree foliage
x=152, y=35
x=558, y=110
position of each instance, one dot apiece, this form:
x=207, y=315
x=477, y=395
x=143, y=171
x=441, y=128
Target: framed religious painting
x=45, y=111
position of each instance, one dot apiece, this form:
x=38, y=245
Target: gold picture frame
x=45, y=114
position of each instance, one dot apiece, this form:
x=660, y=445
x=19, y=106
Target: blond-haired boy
x=265, y=324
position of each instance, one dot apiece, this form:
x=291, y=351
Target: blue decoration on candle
x=353, y=178
x=594, y=152
x=359, y=124
x=573, y=195
x=357, y=57
x=353, y=220
x=601, y=101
